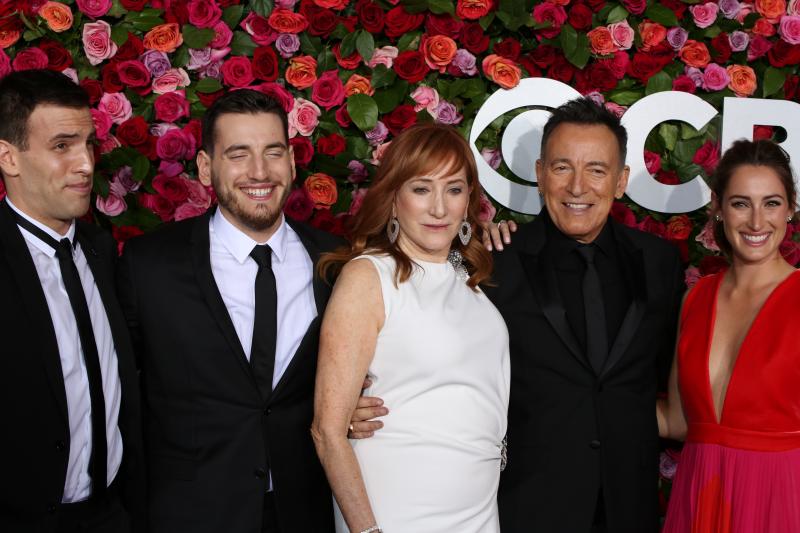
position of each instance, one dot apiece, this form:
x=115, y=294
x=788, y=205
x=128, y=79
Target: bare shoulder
x=357, y=292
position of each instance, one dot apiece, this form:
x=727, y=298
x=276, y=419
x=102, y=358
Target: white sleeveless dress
x=442, y=367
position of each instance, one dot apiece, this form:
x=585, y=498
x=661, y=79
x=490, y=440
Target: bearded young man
x=225, y=314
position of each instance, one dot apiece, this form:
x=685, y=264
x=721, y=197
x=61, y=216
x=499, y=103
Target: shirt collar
x=563, y=245
x=240, y=245
x=36, y=241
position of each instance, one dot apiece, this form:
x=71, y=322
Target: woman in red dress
x=734, y=392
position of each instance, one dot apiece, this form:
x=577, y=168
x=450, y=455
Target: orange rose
x=58, y=16
x=322, y=190
x=771, y=9
x=358, y=84
x=502, y=71
x=601, y=41
x=743, y=80
x=164, y=38
x=652, y=34
x=473, y=9
x=302, y=72
x=679, y=228
x=9, y=37
x=439, y=51
x=695, y=54
x=286, y=21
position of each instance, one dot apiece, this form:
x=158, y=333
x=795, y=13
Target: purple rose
x=676, y=37
x=729, y=8
x=287, y=44
x=198, y=58
x=122, y=182
x=157, y=63
x=446, y=113
x=170, y=168
x=668, y=463
x=738, y=40
x=358, y=172
x=176, y=144
x=492, y=157
x=465, y=62
x=378, y=134
x=715, y=78
x=596, y=97
x=695, y=74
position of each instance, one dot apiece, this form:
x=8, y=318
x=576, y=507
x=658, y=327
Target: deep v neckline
x=718, y=417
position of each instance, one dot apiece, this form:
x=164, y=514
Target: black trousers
x=94, y=516
x=269, y=520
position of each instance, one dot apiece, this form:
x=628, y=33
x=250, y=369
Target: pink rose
x=622, y=34
x=706, y=237
x=328, y=90
x=30, y=58
x=487, y=209
x=97, y=43
x=758, y=47
x=707, y=156
x=303, y=117
x=102, y=123
x=789, y=28
x=94, y=8
x=383, y=56
x=171, y=106
x=704, y=14
x=117, y=106
x=237, y=72
x=189, y=210
x=112, y=205
x=223, y=37
x=715, y=78
x=170, y=81
x=652, y=161
x=198, y=200
x=109, y=144
x=492, y=156
x=159, y=205
x=425, y=98
x=358, y=199
x=176, y=144
x=377, y=153
x=203, y=13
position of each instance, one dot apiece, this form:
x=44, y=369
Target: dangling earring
x=393, y=229
x=465, y=231
x=788, y=219
x=717, y=218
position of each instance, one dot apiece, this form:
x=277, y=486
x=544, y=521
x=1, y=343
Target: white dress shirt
x=235, y=273
x=78, y=484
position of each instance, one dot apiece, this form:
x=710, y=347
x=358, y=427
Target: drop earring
x=465, y=231
x=393, y=229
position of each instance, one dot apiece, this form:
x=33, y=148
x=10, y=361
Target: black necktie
x=77, y=298
x=594, y=309
x=265, y=324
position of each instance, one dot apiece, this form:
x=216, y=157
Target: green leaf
x=363, y=111
x=101, y=185
x=685, y=149
x=661, y=14
x=359, y=147
x=575, y=46
x=181, y=57
x=140, y=167
x=617, y=14
x=208, y=85
x=261, y=7
x=409, y=41
x=382, y=77
x=242, y=44
x=197, y=37
x=326, y=61
x=348, y=45
x=486, y=20
x=415, y=6
x=688, y=132
x=119, y=34
x=441, y=6
x=774, y=79
x=669, y=133
x=138, y=216
x=658, y=82
x=310, y=45
x=116, y=10
x=391, y=97
x=569, y=40
x=231, y=15
x=625, y=97
x=365, y=44
x=145, y=24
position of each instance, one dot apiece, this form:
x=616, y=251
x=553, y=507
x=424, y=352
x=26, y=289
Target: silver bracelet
x=373, y=529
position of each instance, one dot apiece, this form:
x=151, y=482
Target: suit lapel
x=34, y=302
x=632, y=261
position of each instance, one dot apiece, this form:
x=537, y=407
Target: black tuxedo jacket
x=34, y=449
x=571, y=431
x=209, y=434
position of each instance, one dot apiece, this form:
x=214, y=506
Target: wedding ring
x=351, y=428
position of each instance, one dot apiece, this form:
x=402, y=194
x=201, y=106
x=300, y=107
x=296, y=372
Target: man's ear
x=9, y=160
x=622, y=182
x=204, y=167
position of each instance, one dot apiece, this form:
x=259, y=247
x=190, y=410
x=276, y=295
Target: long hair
x=420, y=150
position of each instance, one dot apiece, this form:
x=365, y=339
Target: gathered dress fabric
x=441, y=365
x=741, y=473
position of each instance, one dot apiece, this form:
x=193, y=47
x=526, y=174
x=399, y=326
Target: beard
x=261, y=219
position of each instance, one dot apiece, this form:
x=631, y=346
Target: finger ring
x=501, y=222
x=351, y=428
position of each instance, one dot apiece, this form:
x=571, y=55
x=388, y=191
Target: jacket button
x=267, y=411
x=61, y=445
x=51, y=508
x=260, y=473
x=595, y=444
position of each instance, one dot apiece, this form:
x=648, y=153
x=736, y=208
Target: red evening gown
x=741, y=474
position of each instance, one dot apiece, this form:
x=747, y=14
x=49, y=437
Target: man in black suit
x=71, y=455
x=591, y=308
x=225, y=314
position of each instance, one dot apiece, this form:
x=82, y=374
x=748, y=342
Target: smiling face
x=251, y=169
x=430, y=209
x=579, y=175
x=754, y=211
x=51, y=180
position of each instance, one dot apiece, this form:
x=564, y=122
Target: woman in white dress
x=432, y=344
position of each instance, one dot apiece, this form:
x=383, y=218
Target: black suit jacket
x=34, y=449
x=209, y=434
x=572, y=432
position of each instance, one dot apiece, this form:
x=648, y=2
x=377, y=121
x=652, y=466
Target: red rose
x=172, y=188
x=265, y=63
x=122, y=234
x=399, y=22
x=596, y=5
x=677, y=6
x=30, y=58
x=349, y=23
x=790, y=86
x=110, y=78
x=195, y=128
x=343, y=117
x=526, y=63
x=707, y=156
x=721, y=48
x=326, y=221
x=561, y=70
x=259, y=29
x=303, y=150
x=679, y=227
x=636, y=7
x=711, y=264
x=93, y=89
x=684, y=83
x=443, y=24
x=350, y=62
x=618, y=64
x=133, y=132
x=328, y=90
x=133, y=73
x=474, y=39
x=580, y=17
x=159, y=205
x=175, y=145
x=133, y=5
x=204, y=14
x=623, y=214
x=321, y=21
x=643, y=66
x=299, y=205
x=209, y=98
x=553, y=14
x=170, y=107
x=651, y=225
x=596, y=77
x=178, y=12
x=473, y=9
x=278, y=93
x=331, y=145
x=58, y=57
x=758, y=47
x=667, y=177
x=371, y=16
x=237, y=71
x=284, y=21
x=402, y=117
x=131, y=49
x=508, y=48
x=411, y=66
x=783, y=54
x=543, y=55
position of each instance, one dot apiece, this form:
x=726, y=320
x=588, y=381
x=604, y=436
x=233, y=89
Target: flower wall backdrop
x=353, y=73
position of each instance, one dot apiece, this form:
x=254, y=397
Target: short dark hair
x=21, y=92
x=762, y=153
x=241, y=101
x=585, y=111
